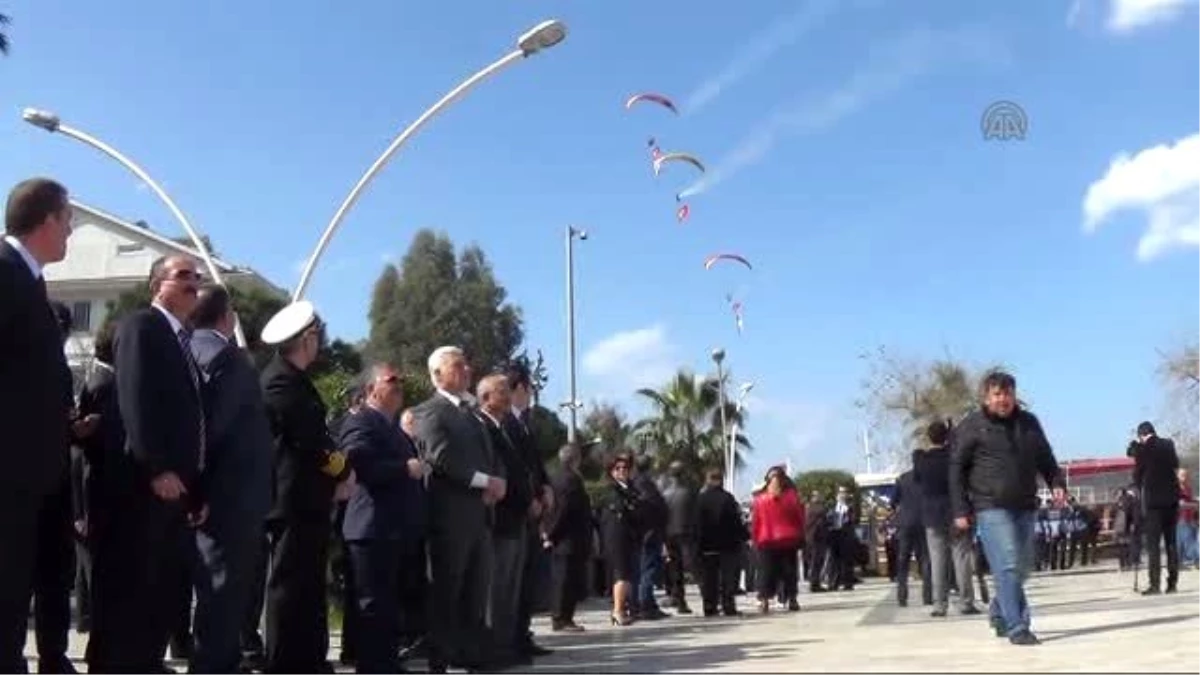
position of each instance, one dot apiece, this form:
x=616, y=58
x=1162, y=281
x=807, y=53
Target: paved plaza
x=1089, y=620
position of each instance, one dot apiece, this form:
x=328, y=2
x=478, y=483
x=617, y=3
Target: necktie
x=185, y=343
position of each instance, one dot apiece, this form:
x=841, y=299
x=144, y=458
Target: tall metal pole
x=718, y=355
x=572, y=406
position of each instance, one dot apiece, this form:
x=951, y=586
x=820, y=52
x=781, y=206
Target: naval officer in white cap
x=308, y=471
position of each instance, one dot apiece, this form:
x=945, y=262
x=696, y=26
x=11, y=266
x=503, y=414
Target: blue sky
x=845, y=156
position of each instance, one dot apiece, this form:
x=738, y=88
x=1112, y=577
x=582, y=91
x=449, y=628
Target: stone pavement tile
x=1090, y=621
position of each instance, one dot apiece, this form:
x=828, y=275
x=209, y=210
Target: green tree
x=4, y=44
x=603, y=432
x=187, y=241
x=685, y=424
x=434, y=299
x=549, y=433
x=826, y=482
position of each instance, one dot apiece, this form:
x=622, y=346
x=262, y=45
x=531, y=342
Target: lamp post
x=718, y=356
x=51, y=122
x=572, y=404
x=542, y=36
x=743, y=391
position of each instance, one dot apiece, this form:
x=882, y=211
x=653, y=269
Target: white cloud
x=1127, y=15
x=629, y=360
x=1162, y=182
x=781, y=33
x=888, y=68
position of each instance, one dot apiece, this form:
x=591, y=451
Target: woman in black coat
x=620, y=534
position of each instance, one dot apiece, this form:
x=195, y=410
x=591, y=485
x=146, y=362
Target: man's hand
x=167, y=486
x=82, y=428
x=415, y=470
x=199, y=517
x=535, y=509
x=547, y=497
x=496, y=488
x=962, y=523
x=345, y=489
x=81, y=527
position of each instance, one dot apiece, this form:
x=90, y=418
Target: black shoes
x=1024, y=639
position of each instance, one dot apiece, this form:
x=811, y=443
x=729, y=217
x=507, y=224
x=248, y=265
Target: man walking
x=681, y=535
x=1155, y=464
x=910, y=537
x=720, y=535
x=950, y=549
x=999, y=450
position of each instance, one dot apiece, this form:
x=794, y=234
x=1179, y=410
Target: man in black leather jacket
x=999, y=451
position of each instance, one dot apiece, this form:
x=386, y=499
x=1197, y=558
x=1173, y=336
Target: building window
x=81, y=317
x=126, y=249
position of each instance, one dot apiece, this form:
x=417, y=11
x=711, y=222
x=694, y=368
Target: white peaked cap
x=289, y=322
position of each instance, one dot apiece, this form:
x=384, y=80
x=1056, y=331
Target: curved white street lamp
x=540, y=37
x=743, y=391
x=51, y=122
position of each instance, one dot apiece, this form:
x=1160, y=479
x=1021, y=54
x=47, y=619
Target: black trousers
x=568, y=572
x=251, y=640
x=376, y=564
x=843, y=545
x=460, y=564
x=814, y=562
x=83, y=585
x=718, y=572
x=53, y=575
x=778, y=569
x=229, y=557
x=142, y=548
x=1159, y=528
x=18, y=541
x=910, y=543
x=679, y=561
x=296, y=614
x=347, y=596
x=534, y=557
x=413, y=591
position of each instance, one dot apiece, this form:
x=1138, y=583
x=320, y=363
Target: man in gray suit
x=237, y=483
x=466, y=479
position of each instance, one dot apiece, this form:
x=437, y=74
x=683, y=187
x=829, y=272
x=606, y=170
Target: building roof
x=136, y=231
x=1077, y=468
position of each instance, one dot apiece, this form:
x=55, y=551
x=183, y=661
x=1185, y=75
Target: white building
x=107, y=256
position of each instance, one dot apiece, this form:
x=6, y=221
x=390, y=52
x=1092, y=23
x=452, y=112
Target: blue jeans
x=1007, y=537
x=651, y=566
x=1189, y=547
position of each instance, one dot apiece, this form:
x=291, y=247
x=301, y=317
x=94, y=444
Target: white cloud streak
x=1163, y=183
x=888, y=68
x=633, y=359
x=783, y=32
x=1127, y=16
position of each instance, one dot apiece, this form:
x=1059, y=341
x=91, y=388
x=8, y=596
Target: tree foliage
x=4, y=43
x=1179, y=372
x=603, y=433
x=826, y=482
x=433, y=299
x=685, y=425
x=901, y=396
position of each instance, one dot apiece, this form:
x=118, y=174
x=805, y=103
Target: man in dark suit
x=720, y=535
x=309, y=475
x=414, y=585
x=568, y=534
x=951, y=551
x=466, y=480
x=160, y=401
x=237, y=479
x=910, y=537
x=520, y=427
x=105, y=481
x=378, y=524
x=55, y=557
x=1155, y=464
x=33, y=395
x=510, y=544
x=681, y=506
x=816, y=541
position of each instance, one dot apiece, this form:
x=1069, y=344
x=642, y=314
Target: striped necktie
x=185, y=343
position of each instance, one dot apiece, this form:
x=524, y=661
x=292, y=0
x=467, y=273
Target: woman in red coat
x=778, y=530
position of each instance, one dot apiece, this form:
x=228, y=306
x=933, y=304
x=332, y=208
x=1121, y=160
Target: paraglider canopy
x=677, y=157
x=652, y=98
x=716, y=257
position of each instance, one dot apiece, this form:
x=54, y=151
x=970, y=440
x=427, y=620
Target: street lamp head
x=582, y=235
x=41, y=118
x=718, y=355
x=542, y=36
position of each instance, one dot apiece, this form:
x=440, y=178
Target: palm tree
x=685, y=424
x=4, y=21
